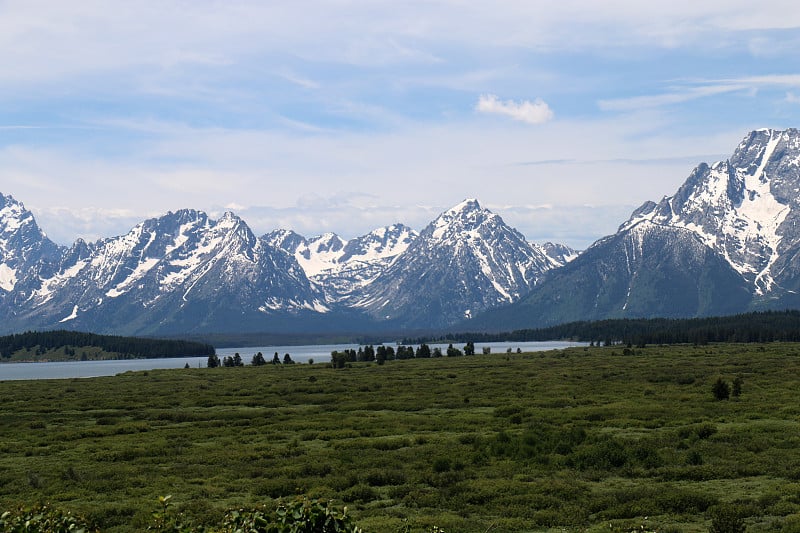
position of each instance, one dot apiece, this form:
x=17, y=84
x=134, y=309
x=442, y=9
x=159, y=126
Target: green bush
x=299, y=515
x=726, y=519
x=721, y=389
x=42, y=519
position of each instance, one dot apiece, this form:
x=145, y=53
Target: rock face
x=26, y=254
x=728, y=241
x=184, y=273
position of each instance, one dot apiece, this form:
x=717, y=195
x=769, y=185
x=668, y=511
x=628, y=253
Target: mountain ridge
x=185, y=272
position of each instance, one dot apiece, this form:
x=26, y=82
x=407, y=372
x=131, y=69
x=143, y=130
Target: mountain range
x=184, y=273
x=726, y=242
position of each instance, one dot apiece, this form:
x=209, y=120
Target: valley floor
x=585, y=438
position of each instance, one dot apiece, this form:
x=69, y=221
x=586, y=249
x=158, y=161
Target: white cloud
x=792, y=98
x=536, y=112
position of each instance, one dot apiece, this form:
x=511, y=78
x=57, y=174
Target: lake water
x=299, y=354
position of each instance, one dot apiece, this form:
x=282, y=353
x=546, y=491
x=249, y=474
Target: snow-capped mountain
x=341, y=268
x=727, y=242
x=179, y=272
x=464, y=262
x=561, y=254
x=745, y=208
x=25, y=254
x=184, y=272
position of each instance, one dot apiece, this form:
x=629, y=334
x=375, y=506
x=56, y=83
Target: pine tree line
x=134, y=347
x=762, y=326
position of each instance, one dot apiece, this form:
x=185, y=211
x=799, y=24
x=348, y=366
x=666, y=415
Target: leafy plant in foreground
x=165, y=520
x=299, y=515
x=42, y=519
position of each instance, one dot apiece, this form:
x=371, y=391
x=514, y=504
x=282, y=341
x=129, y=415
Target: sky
x=344, y=116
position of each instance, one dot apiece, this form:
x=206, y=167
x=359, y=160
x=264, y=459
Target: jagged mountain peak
x=465, y=261
x=25, y=250
x=387, y=241
x=185, y=271
x=327, y=242
x=465, y=206
x=466, y=216
x=561, y=254
x=14, y=217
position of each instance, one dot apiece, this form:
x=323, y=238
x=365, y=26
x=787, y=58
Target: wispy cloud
x=792, y=98
x=676, y=97
x=301, y=81
x=696, y=89
x=535, y=112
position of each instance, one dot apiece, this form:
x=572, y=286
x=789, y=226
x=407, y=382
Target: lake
x=300, y=354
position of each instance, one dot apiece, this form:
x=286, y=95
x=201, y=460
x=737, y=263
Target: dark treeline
x=129, y=346
x=382, y=353
x=764, y=326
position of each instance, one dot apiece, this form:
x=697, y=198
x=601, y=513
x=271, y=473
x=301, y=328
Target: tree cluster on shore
x=258, y=360
x=381, y=354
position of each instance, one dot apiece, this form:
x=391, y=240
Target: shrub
x=721, y=390
x=737, y=387
x=726, y=519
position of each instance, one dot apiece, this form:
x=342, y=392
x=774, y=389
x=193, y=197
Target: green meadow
x=593, y=439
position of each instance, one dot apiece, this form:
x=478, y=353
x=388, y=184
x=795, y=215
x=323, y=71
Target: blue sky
x=345, y=116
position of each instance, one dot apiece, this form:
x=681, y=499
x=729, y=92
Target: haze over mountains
x=726, y=242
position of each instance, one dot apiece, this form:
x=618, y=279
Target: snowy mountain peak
x=466, y=216
x=185, y=271
x=14, y=218
x=380, y=243
x=24, y=248
x=468, y=204
x=285, y=239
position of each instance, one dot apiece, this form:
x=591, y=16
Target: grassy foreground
x=578, y=439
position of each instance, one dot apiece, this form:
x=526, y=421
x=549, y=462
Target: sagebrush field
x=587, y=438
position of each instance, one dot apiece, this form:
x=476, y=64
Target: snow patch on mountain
x=320, y=253
x=8, y=277
x=342, y=268
x=72, y=316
